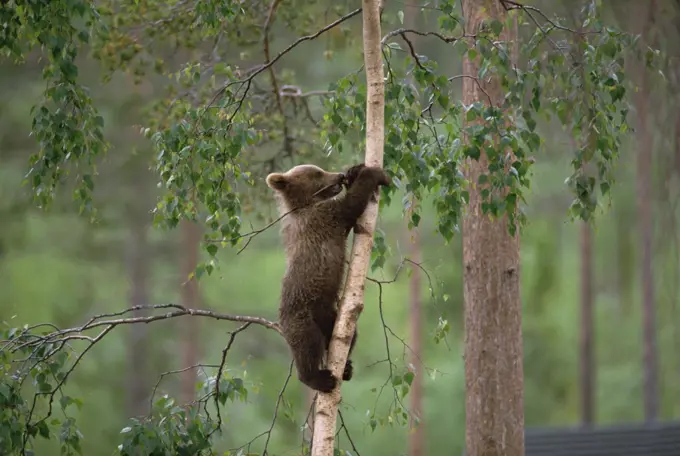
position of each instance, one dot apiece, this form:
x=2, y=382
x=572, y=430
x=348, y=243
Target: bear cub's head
x=306, y=184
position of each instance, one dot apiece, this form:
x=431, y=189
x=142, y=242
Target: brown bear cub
x=315, y=235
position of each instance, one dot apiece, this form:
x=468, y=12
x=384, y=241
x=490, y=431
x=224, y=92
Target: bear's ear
x=277, y=181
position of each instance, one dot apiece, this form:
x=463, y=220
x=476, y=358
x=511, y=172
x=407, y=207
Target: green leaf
x=5, y=391
x=211, y=249
x=496, y=27
x=88, y=182
x=472, y=151
x=43, y=430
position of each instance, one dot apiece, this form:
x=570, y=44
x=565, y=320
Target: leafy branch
x=41, y=351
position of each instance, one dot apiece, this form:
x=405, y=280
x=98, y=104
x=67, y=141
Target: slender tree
x=352, y=303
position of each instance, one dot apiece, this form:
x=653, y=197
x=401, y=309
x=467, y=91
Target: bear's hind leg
x=308, y=353
x=326, y=322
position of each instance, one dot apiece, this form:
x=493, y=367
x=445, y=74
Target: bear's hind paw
x=349, y=370
x=325, y=382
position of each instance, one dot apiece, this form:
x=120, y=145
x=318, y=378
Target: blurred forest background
x=57, y=267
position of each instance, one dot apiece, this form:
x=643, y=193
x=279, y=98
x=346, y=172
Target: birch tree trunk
x=353, y=299
x=494, y=379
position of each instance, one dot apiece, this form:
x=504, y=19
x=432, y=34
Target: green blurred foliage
x=57, y=267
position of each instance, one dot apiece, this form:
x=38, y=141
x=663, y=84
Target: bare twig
x=259, y=69
x=271, y=427
x=276, y=408
x=387, y=345
x=56, y=388
x=171, y=372
x=250, y=235
x=287, y=140
x=295, y=92
x=412, y=50
x=349, y=437
x=220, y=371
x=479, y=85
x=510, y=5
x=403, y=31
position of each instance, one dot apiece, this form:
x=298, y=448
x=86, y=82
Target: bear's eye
x=318, y=174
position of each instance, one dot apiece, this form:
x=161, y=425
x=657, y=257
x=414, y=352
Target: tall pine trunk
x=493, y=311
x=645, y=228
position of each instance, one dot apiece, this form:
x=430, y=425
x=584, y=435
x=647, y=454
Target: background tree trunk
x=191, y=241
x=587, y=330
x=645, y=228
x=493, y=311
x=138, y=269
x=417, y=436
x=625, y=258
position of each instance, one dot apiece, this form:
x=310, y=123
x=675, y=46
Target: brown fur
x=315, y=236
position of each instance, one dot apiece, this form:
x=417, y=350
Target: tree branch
x=45, y=346
x=287, y=144
x=403, y=31
x=97, y=321
x=259, y=69
x=220, y=371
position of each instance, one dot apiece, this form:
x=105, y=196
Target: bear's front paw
x=352, y=173
x=381, y=176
